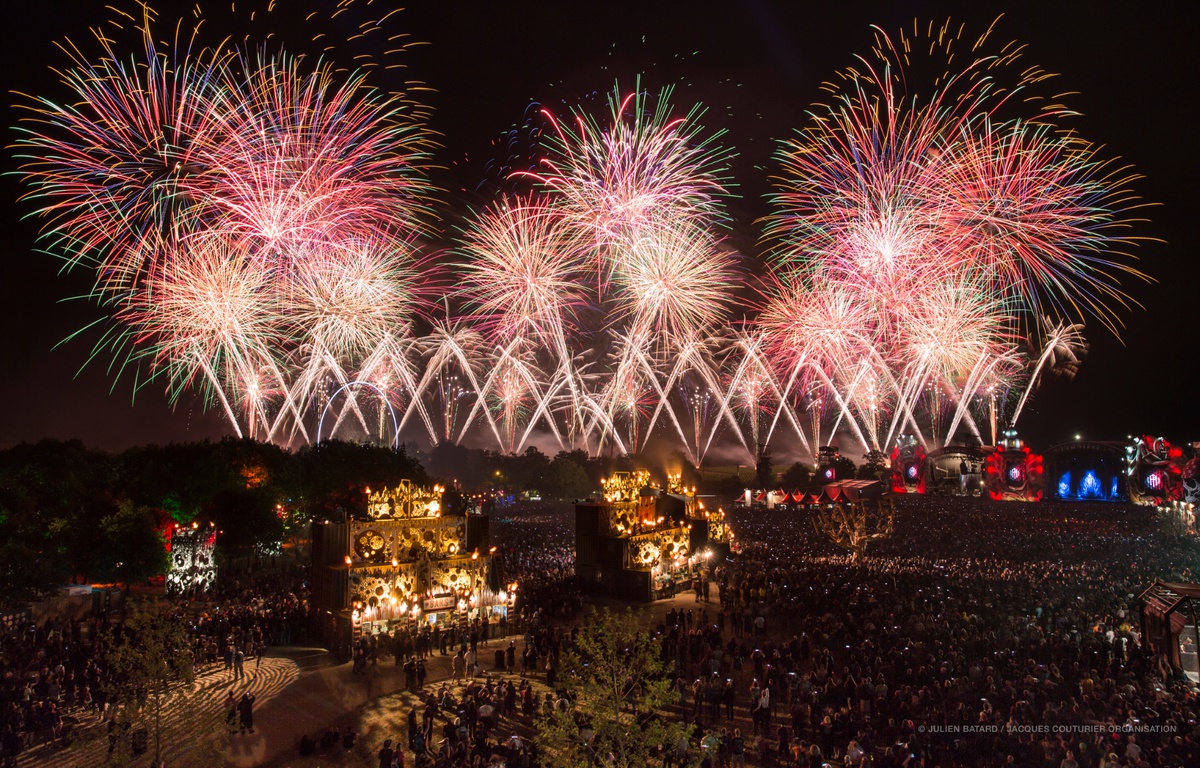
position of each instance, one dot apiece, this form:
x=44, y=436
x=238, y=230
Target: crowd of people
x=46, y=671
x=1017, y=644
x=492, y=665
x=241, y=619
x=537, y=551
x=54, y=673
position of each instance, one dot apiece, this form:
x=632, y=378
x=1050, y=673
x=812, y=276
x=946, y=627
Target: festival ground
x=1103, y=553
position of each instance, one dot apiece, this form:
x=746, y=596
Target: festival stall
x=1169, y=621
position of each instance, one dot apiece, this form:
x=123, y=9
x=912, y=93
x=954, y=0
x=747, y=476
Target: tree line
x=71, y=514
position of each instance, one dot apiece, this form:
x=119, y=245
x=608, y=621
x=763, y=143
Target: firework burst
x=643, y=170
x=921, y=230
x=254, y=217
x=106, y=167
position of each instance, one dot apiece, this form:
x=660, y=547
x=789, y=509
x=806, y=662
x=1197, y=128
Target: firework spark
x=256, y=221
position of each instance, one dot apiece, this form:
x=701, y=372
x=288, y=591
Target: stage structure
x=193, y=567
x=1012, y=472
x=419, y=555
x=827, y=470
x=1154, y=471
x=1191, y=478
x=1086, y=470
x=640, y=542
x=956, y=470
x=910, y=472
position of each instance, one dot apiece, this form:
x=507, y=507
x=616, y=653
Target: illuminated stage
x=640, y=542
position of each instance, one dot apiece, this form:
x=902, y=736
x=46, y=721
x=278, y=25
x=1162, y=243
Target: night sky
x=757, y=66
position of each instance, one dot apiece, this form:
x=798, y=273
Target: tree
x=522, y=472
x=133, y=548
x=592, y=465
x=844, y=467
x=729, y=485
x=53, y=495
x=248, y=520
x=565, y=479
x=619, y=686
x=333, y=474
x=875, y=466
x=459, y=466
x=26, y=574
x=855, y=524
x=796, y=476
x=150, y=672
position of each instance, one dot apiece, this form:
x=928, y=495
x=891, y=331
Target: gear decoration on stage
x=1154, y=473
x=908, y=466
x=1012, y=472
x=193, y=567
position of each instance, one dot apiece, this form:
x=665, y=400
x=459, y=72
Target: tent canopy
x=853, y=490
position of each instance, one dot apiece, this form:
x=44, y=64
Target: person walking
x=410, y=675
x=231, y=713
x=413, y=727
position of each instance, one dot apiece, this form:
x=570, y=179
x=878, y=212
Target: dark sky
x=757, y=65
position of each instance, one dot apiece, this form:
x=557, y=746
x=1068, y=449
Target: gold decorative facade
x=625, y=487
x=660, y=548
x=405, y=501
x=381, y=541
x=643, y=542
x=408, y=555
